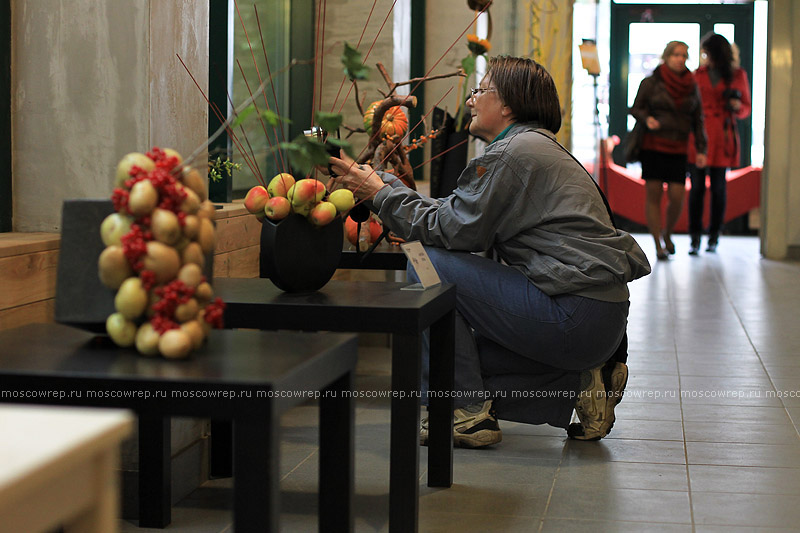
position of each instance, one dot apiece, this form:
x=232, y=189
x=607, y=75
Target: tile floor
x=706, y=439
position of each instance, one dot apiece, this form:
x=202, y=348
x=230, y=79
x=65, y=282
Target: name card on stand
x=419, y=259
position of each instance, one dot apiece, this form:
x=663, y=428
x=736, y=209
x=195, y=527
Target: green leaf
x=329, y=122
x=242, y=116
x=353, y=65
x=305, y=153
x=274, y=119
x=344, y=145
x=468, y=65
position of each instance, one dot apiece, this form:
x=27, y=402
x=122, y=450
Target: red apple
x=277, y=208
x=280, y=184
x=306, y=191
x=322, y=213
x=256, y=199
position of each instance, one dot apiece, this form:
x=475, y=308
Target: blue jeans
x=517, y=345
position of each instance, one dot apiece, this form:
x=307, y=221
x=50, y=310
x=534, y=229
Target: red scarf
x=679, y=85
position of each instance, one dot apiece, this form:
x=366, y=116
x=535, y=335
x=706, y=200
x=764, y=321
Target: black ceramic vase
x=298, y=256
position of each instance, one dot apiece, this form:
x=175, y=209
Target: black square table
x=372, y=306
x=382, y=258
x=246, y=377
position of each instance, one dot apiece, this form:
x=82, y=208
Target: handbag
x=633, y=143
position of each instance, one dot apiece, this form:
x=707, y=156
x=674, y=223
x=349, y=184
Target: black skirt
x=659, y=166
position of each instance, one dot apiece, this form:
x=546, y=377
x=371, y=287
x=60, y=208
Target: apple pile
x=307, y=197
x=156, y=246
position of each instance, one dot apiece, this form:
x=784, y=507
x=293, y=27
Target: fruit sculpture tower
x=156, y=247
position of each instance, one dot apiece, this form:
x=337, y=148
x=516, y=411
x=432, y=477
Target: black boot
x=694, y=247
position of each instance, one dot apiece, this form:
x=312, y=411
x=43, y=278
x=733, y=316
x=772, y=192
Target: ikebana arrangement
x=297, y=192
x=156, y=243
x=307, y=197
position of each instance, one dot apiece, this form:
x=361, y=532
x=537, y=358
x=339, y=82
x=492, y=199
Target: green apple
x=343, y=199
x=121, y=330
x=114, y=226
x=131, y=298
x=128, y=162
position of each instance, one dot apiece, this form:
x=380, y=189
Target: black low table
x=371, y=306
x=382, y=258
x=246, y=377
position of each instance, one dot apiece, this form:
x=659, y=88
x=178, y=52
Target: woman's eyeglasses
x=477, y=91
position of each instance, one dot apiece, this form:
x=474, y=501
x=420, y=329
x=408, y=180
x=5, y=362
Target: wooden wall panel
x=27, y=314
x=27, y=278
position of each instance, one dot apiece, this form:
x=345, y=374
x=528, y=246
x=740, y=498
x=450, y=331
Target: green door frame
x=301, y=17
x=417, y=70
x=6, y=203
x=220, y=28
x=622, y=15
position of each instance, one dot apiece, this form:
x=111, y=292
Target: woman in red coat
x=725, y=92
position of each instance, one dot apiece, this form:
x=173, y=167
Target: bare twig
x=386, y=77
x=459, y=72
x=358, y=100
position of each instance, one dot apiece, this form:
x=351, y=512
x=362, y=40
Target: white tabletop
x=38, y=444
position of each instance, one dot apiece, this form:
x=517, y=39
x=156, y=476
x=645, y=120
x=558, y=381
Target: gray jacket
x=530, y=201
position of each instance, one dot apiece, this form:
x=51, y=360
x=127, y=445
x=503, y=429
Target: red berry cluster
x=171, y=296
x=148, y=278
x=134, y=245
x=120, y=199
x=214, y=313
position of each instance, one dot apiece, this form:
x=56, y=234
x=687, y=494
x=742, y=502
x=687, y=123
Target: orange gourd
x=394, y=123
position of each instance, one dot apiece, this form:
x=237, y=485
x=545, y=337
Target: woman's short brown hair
x=671, y=46
x=528, y=89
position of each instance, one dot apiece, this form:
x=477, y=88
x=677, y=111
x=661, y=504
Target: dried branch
x=358, y=100
x=386, y=77
x=458, y=72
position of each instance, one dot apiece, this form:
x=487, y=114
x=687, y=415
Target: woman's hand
x=653, y=123
x=360, y=179
x=700, y=161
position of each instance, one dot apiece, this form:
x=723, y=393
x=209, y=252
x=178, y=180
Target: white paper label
x=422, y=264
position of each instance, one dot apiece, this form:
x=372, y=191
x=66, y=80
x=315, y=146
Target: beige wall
x=94, y=80
x=780, y=193
x=344, y=21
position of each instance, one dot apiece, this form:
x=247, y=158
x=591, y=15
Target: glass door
x=639, y=33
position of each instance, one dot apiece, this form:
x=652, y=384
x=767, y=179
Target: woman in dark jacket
x=668, y=104
x=725, y=91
